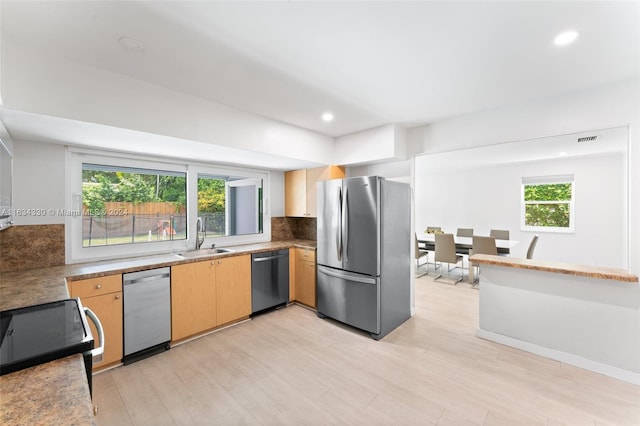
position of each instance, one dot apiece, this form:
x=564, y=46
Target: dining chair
x=501, y=234
x=446, y=252
x=532, y=246
x=421, y=253
x=464, y=232
x=482, y=245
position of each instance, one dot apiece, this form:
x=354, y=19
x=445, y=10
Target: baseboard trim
x=567, y=358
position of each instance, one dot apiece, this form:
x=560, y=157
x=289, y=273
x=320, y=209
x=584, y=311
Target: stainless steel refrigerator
x=364, y=253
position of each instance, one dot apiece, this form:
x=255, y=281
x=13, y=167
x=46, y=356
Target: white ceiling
x=369, y=63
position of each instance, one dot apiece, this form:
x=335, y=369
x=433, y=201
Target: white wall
x=38, y=181
x=277, y=194
x=489, y=197
x=614, y=105
x=399, y=171
x=4, y=135
x=384, y=143
x=588, y=322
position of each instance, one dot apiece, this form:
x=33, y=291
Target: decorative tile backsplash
x=31, y=246
x=293, y=228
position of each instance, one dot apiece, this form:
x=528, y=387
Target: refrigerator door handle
x=345, y=275
x=339, y=226
x=345, y=225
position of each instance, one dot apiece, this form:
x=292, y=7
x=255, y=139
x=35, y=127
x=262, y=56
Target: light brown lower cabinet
x=103, y=295
x=193, y=299
x=210, y=293
x=306, y=277
x=233, y=288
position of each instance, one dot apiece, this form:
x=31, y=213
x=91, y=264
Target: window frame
x=547, y=180
x=218, y=170
x=75, y=157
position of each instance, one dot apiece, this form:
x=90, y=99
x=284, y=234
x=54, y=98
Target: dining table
x=464, y=245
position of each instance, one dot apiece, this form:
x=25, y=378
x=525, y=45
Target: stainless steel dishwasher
x=269, y=280
x=147, y=313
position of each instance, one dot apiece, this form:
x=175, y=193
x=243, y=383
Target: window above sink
x=106, y=190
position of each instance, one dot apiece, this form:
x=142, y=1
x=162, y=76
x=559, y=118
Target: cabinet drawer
x=96, y=286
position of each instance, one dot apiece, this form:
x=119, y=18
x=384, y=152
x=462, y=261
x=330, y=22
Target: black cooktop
x=41, y=333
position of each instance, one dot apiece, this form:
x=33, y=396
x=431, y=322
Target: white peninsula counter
x=580, y=315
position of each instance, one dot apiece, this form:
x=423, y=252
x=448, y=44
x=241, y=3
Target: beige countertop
x=42, y=285
x=556, y=267
x=33, y=395
x=53, y=393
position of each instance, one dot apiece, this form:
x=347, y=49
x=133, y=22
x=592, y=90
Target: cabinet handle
x=98, y=286
x=117, y=297
x=219, y=262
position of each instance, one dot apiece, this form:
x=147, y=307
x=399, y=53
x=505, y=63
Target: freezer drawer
x=353, y=299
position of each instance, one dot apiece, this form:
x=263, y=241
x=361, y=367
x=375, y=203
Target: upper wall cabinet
x=300, y=189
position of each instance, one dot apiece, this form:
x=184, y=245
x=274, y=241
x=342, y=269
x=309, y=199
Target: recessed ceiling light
x=565, y=38
x=562, y=153
x=327, y=116
x=131, y=44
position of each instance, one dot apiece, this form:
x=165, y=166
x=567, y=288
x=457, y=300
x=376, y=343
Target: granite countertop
x=42, y=285
x=52, y=393
x=556, y=267
x=107, y=267
x=33, y=395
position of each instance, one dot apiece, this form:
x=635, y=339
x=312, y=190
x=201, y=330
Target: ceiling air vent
x=588, y=139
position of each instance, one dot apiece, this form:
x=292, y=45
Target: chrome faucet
x=201, y=233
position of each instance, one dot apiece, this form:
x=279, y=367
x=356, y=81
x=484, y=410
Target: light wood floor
x=289, y=367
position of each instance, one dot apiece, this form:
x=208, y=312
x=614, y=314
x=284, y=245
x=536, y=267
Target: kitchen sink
x=203, y=252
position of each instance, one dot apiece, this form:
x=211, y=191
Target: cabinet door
x=313, y=176
x=306, y=277
x=300, y=186
x=108, y=308
x=193, y=299
x=233, y=288
x=333, y=172
x=306, y=283
x=295, y=197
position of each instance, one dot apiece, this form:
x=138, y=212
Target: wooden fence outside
x=116, y=208
x=122, y=222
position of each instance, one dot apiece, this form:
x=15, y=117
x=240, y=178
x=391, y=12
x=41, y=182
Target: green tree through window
x=128, y=206
x=548, y=205
x=212, y=204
